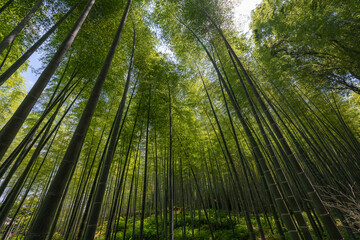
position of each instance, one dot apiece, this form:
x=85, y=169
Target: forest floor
x=197, y=227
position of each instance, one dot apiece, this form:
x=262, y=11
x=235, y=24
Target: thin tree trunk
x=7, y=4
x=6, y=57
x=171, y=175
x=129, y=199
x=182, y=200
x=156, y=188
x=145, y=170
x=136, y=185
x=11, y=37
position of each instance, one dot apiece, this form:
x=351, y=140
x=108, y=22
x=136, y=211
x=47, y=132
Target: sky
x=242, y=13
x=29, y=75
x=242, y=17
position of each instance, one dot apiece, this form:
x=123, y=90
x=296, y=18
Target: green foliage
x=300, y=46
x=223, y=229
x=311, y=42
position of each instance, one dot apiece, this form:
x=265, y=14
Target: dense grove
x=151, y=119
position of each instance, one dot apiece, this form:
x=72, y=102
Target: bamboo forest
x=179, y=119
